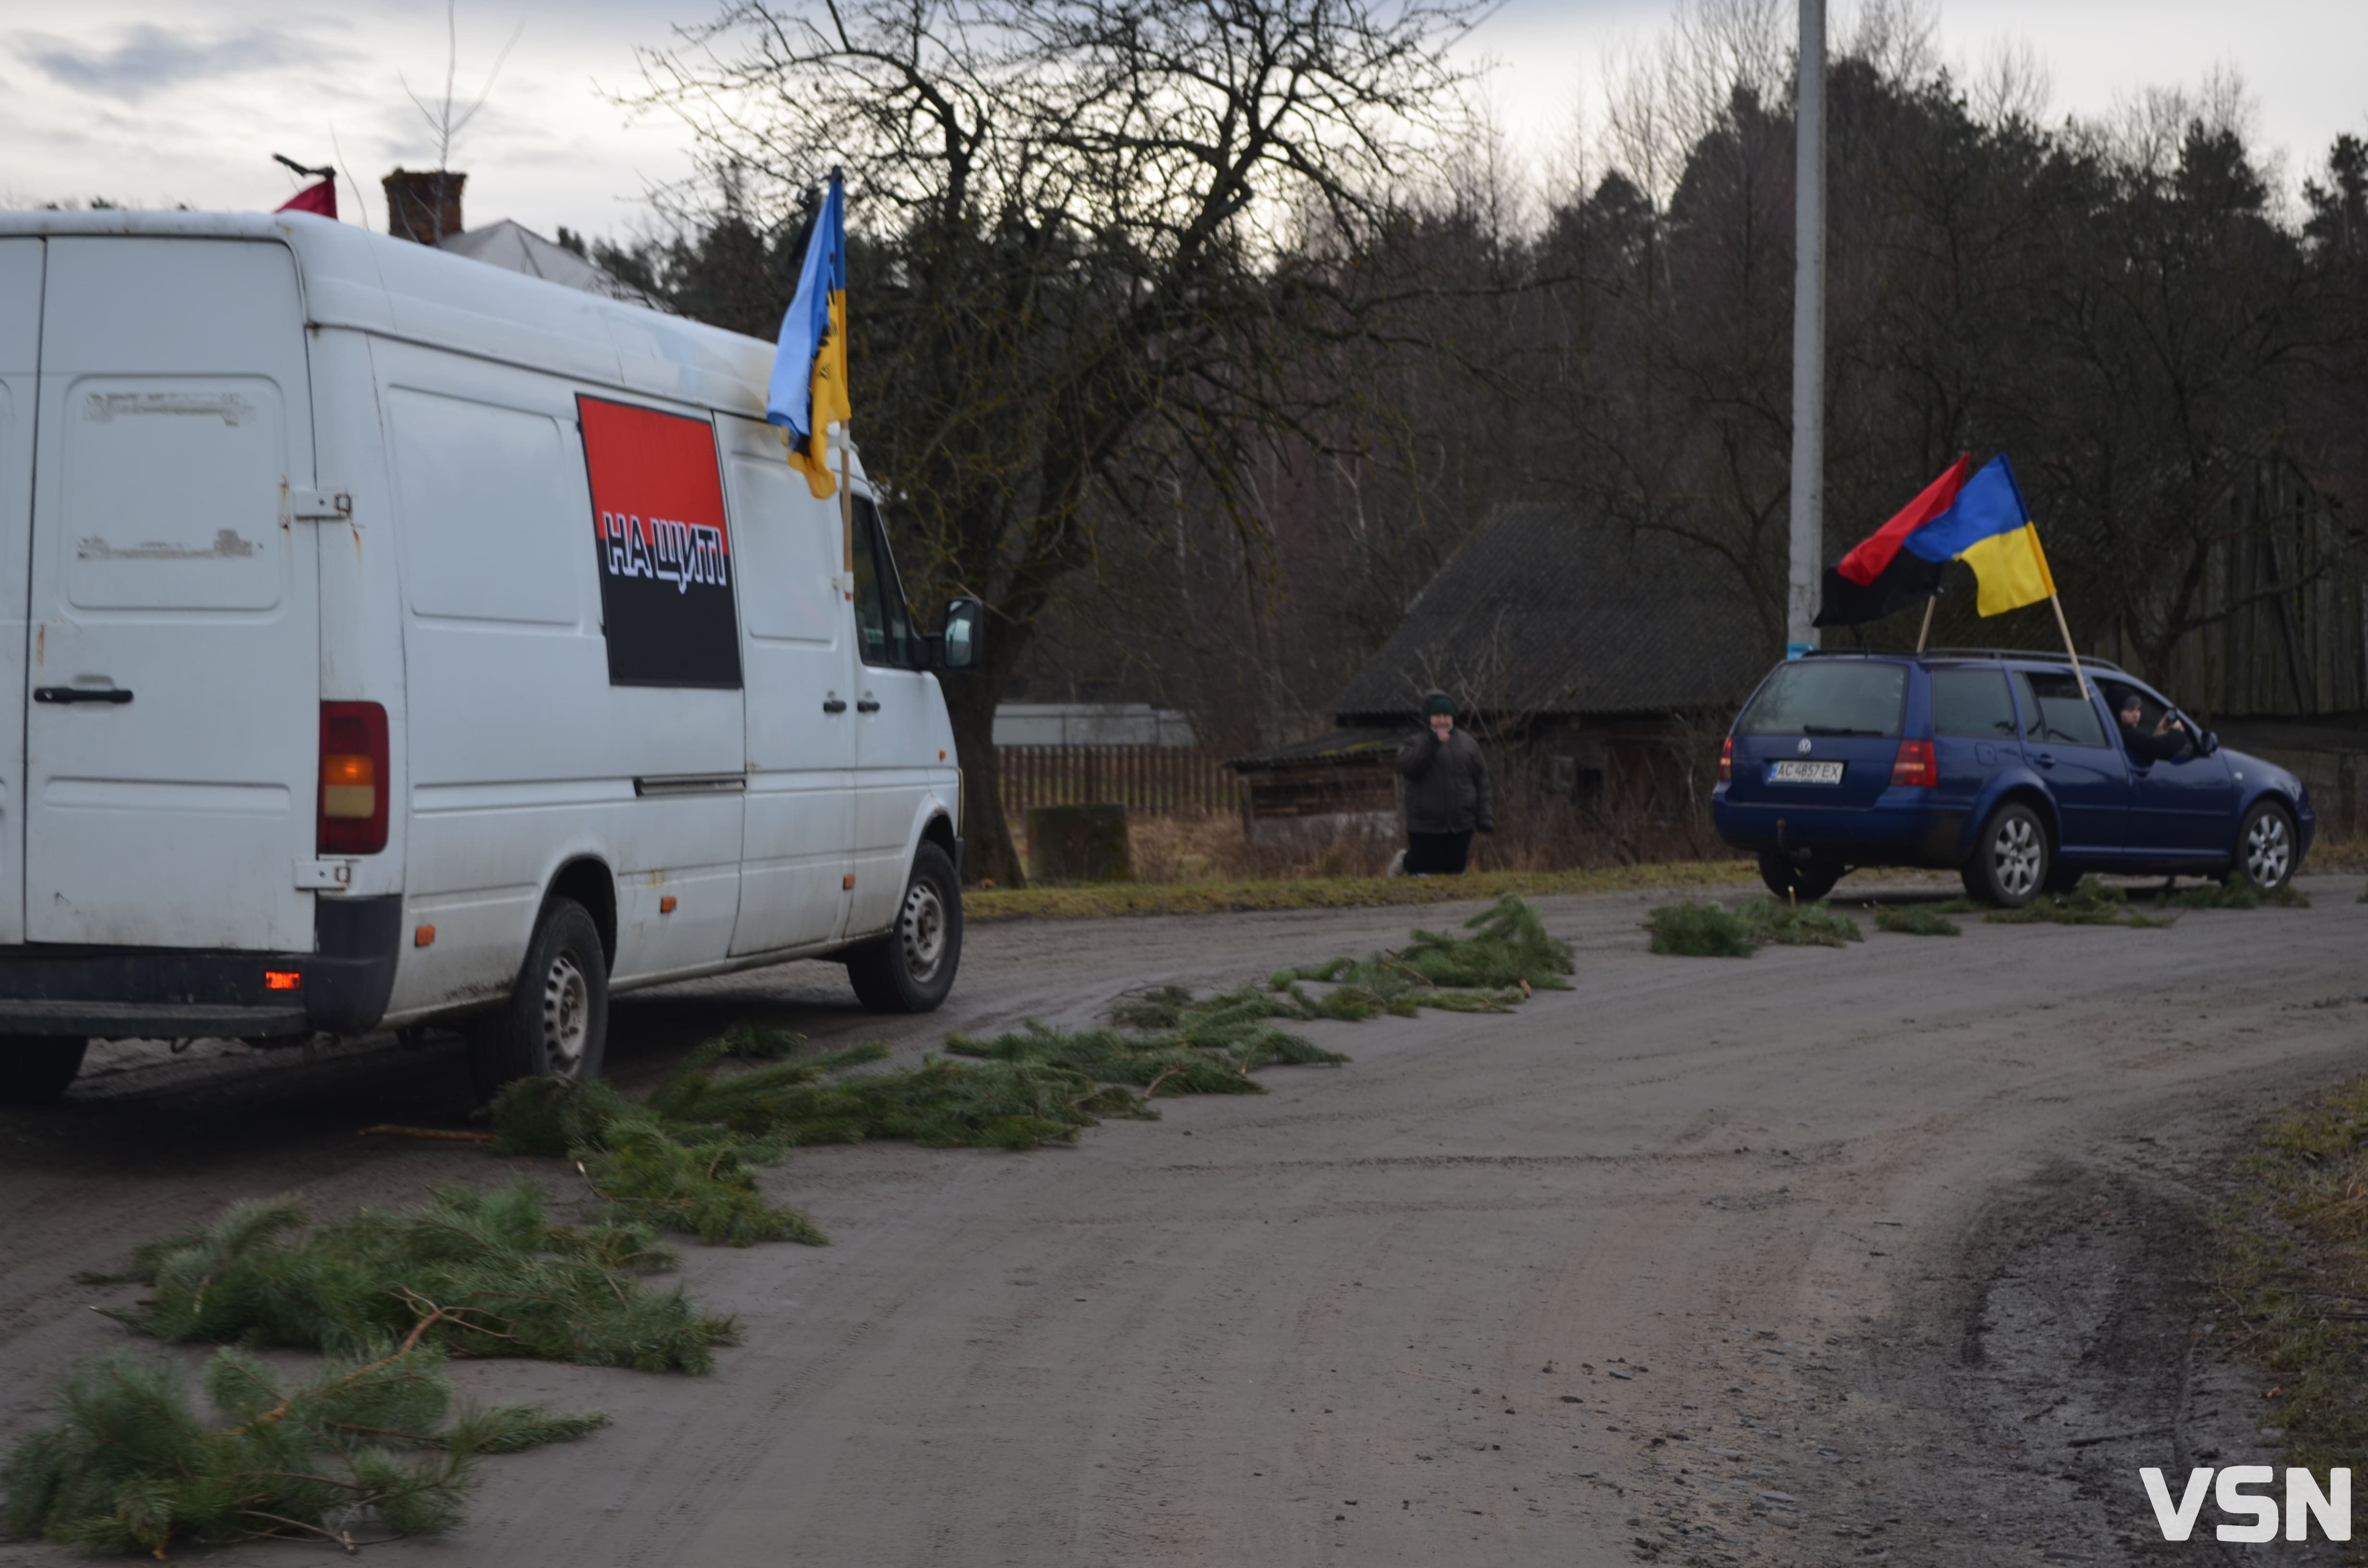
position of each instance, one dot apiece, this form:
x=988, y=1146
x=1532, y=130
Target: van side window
x=2056, y=710
x=1972, y=703
x=883, y=626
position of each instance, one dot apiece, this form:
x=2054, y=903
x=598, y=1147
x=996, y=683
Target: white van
x=403, y=640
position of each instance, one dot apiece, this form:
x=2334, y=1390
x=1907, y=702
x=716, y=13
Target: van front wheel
x=556, y=1020
x=912, y=968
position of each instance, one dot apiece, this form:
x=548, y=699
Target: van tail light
x=353, y=779
x=1913, y=765
x=1726, y=761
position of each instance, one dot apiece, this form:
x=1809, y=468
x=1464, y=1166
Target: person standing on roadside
x=1446, y=792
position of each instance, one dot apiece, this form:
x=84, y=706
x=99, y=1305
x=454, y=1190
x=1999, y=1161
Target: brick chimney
x=423, y=204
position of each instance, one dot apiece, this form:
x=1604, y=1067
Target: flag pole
x=2069, y=652
x=1925, y=635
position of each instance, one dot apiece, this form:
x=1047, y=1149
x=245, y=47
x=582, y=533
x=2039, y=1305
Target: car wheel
x=2010, y=861
x=1789, y=879
x=36, y=1068
x=912, y=968
x=2265, y=847
x=556, y=1021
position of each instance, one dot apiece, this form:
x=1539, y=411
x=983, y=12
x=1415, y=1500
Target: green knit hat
x=1437, y=702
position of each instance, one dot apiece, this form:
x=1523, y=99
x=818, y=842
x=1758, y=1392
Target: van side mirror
x=958, y=634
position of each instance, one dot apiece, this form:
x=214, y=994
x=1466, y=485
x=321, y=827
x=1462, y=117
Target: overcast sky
x=156, y=105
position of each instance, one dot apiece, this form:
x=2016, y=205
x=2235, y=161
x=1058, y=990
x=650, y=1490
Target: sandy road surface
x=1802, y=1258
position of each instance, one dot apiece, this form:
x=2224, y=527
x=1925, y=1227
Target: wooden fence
x=1155, y=780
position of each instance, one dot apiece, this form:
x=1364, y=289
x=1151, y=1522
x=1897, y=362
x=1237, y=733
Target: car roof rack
x=2038, y=656
x=2087, y=662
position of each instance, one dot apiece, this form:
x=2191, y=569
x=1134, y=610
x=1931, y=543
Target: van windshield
x=1812, y=697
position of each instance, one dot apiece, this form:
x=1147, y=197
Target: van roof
x=376, y=283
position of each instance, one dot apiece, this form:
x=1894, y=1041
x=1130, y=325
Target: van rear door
x=172, y=736
x=20, y=347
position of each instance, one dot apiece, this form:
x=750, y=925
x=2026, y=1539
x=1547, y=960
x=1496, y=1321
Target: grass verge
x=2290, y=1273
x=1250, y=895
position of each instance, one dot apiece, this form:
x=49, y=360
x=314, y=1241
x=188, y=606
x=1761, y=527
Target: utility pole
x=1808, y=336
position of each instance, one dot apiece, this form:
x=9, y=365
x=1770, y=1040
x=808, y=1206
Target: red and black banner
x=665, y=549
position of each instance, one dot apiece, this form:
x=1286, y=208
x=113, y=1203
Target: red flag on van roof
x=321, y=199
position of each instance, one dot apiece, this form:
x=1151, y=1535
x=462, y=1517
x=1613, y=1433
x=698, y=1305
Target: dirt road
x=1802, y=1258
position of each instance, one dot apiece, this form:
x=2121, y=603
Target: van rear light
x=1726, y=760
x=353, y=779
x=1913, y=765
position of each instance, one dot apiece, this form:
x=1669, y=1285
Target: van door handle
x=2044, y=758
x=867, y=706
x=114, y=694
x=834, y=705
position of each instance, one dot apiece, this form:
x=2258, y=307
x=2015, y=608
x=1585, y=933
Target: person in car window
x=1446, y=792
x=2168, y=739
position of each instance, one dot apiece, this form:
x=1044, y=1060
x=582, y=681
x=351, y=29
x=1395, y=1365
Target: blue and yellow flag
x=809, y=385
x=1989, y=528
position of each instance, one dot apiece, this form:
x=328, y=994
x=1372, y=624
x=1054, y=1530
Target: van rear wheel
x=36, y=1068
x=912, y=968
x=556, y=1021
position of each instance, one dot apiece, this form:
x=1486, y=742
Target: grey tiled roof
x=1337, y=748
x=1543, y=613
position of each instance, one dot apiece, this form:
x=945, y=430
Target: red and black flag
x=1982, y=521
x=1880, y=577
x=321, y=197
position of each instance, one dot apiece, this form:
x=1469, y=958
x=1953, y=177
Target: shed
x=1584, y=655
x=1546, y=616
x=1335, y=781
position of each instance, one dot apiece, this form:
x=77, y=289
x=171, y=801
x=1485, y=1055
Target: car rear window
x=1812, y=697
x=2057, y=709
x=1972, y=703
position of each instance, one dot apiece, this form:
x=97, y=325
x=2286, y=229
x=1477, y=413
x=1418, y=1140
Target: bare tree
x=1086, y=233
x=445, y=122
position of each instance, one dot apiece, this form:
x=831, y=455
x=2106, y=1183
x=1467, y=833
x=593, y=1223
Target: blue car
x=1999, y=766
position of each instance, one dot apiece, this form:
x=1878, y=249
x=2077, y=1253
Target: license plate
x=1793, y=772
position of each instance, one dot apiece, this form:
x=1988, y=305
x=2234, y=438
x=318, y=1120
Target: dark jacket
x=1447, y=787
x=2145, y=744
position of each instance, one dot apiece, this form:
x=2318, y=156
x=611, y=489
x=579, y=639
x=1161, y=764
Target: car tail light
x=1913, y=765
x=1726, y=761
x=353, y=779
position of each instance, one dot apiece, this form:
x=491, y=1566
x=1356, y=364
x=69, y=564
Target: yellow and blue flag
x=1990, y=529
x=1980, y=520
x=809, y=385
